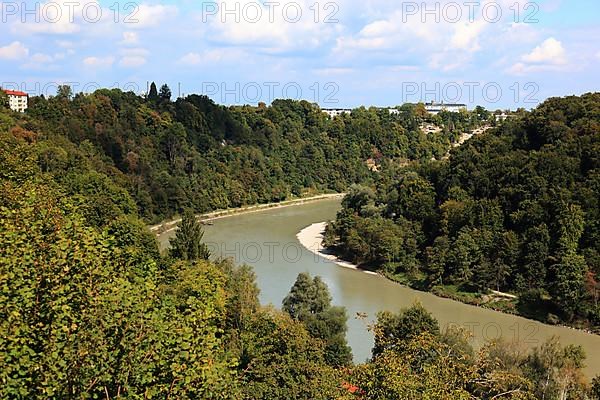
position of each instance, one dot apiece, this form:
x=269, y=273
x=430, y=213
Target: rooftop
x=14, y=92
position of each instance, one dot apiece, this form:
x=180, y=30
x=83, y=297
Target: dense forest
x=92, y=309
x=515, y=210
x=161, y=156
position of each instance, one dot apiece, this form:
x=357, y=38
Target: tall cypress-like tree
x=153, y=93
x=187, y=243
x=309, y=301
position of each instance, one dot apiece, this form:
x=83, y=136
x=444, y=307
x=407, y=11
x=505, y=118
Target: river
x=267, y=241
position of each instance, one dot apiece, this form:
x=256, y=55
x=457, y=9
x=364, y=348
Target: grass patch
x=415, y=280
x=459, y=293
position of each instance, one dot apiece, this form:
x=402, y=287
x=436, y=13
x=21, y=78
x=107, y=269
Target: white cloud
x=132, y=61
x=550, y=55
x=66, y=17
x=521, y=33
x=466, y=36
x=191, y=59
x=40, y=58
x=269, y=30
x=212, y=56
x=333, y=71
x=550, y=51
x=524, y=68
x=65, y=44
x=133, y=57
x=14, y=51
x=130, y=38
x=135, y=52
x=98, y=62
x=41, y=61
x=54, y=17
x=147, y=15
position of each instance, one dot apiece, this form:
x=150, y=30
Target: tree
x=64, y=92
x=80, y=319
x=391, y=330
x=464, y=254
x=282, y=361
x=187, y=243
x=556, y=370
x=595, y=389
x=3, y=100
x=537, y=247
x=309, y=301
x=436, y=258
x=165, y=93
x=568, y=289
x=153, y=93
x=242, y=301
x=358, y=197
x=422, y=367
x=412, y=197
x=569, y=285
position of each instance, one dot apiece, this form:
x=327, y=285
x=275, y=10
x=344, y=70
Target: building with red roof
x=17, y=100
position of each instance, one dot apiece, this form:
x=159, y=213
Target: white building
x=502, y=117
x=334, y=112
x=434, y=108
x=17, y=101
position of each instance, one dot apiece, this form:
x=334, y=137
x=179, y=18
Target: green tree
x=153, y=93
x=464, y=255
x=309, y=301
x=391, y=330
x=568, y=289
x=80, y=321
x=64, y=92
x=421, y=367
x=187, y=242
x=556, y=370
x=358, y=198
x=165, y=93
x=436, y=257
x=412, y=197
x=569, y=285
x=281, y=360
x=242, y=298
x=3, y=100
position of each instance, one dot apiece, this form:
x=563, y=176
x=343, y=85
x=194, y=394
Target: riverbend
x=267, y=241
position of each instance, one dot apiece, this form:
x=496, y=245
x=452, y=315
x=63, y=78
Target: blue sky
x=338, y=53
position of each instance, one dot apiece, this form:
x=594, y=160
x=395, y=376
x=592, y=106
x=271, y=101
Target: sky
x=500, y=54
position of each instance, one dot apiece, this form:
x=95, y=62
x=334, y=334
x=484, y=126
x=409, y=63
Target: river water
x=267, y=241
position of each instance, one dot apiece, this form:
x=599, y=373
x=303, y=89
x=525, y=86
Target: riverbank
x=311, y=237
x=167, y=226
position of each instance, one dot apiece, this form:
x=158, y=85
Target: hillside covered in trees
x=515, y=210
x=92, y=309
x=162, y=156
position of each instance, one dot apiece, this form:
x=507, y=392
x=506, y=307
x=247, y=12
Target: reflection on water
x=267, y=241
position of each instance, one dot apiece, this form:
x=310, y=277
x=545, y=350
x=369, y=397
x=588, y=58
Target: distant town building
x=17, y=101
x=434, y=108
x=334, y=112
x=502, y=117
